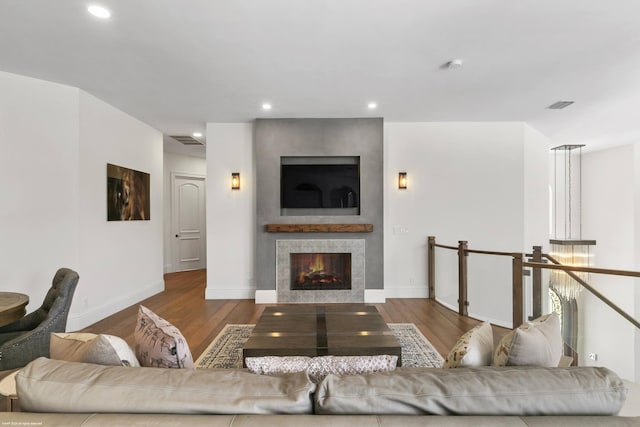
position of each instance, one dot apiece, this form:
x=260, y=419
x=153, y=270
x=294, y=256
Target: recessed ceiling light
x=197, y=135
x=372, y=106
x=99, y=11
x=266, y=106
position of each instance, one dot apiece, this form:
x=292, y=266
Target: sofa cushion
x=535, y=343
x=474, y=348
x=91, y=348
x=319, y=367
x=159, y=344
x=46, y=385
x=487, y=390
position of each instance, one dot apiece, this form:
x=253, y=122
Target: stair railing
x=535, y=261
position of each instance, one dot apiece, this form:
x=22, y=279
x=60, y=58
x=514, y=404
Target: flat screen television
x=320, y=186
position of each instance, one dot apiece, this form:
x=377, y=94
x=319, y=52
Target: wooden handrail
x=597, y=294
x=438, y=245
x=518, y=264
x=557, y=266
x=475, y=251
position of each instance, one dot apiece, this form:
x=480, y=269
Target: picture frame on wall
x=128, y=194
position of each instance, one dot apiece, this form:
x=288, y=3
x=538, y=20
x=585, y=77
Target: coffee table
x=12, y=307
x=310, y=330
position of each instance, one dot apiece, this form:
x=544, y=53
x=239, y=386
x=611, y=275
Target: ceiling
x=178, y=64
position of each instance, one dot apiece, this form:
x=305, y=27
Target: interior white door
x=188, y=213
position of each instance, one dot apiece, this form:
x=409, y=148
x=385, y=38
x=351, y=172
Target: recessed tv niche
x=320, y=185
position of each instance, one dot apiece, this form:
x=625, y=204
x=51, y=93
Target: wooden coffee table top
x=12, y=307
x=310, y=330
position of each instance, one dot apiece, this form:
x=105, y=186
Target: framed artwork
x=128, y=194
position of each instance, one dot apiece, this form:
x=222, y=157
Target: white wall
x=56, y=142
x=120, y=261
x=230, y=213
x=466, y=182
x=39, y=183
x=183, y=164
x=636, y=267
x=536, y=197
x=610, y=216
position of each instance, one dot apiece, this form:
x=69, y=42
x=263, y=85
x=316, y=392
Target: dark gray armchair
x=28, y=338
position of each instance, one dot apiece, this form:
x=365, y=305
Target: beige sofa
x=53, y=392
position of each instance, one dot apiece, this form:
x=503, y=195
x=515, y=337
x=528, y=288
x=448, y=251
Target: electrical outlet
x=593, y=356
x=400, y=229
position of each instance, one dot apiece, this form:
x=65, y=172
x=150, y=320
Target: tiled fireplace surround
x=275, y=138
x=284, y=248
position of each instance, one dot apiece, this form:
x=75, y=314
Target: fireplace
x=318, y=271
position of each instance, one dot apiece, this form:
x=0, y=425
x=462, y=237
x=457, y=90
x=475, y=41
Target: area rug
x=225, y=351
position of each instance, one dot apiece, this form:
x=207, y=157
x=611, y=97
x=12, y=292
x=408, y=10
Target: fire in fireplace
x=320, y=271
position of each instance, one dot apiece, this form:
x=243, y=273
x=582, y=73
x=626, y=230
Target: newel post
x=518, y=308
x=463, y=304
x=431, y=266
x=536, y=279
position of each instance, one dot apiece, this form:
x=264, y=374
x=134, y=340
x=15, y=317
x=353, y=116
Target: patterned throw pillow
x=101, y=349
x=159, y=344
x=319, y=367
x=474, y=348
x=535, y=343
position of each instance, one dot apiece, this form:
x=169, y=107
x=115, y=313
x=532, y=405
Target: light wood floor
x=183, y=304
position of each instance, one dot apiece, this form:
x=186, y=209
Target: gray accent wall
x=275, y=138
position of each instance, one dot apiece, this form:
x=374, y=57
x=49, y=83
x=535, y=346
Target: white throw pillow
x=319, y=367
x=159, y=344
x=535, y=343
x=101, y=349
x=474, y=348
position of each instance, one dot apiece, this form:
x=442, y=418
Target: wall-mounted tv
x=309, y=187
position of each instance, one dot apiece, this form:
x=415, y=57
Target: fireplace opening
x=320, y=271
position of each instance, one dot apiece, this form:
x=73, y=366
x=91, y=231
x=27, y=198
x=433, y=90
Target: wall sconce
x=235, y=180
x=402, y=180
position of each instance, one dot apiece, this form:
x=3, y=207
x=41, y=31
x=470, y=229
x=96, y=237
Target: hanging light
x=568, y=250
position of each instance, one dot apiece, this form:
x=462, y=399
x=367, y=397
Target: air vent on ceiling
x=559, y=105
x=187, y=140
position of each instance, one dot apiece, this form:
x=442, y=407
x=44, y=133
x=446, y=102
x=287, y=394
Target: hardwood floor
x=183, y=304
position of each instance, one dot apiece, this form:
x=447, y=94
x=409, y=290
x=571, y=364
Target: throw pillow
x=276, y=365
x=535, y=343
x=319, y=367
x=91, y=348
x=159, y=344
x=474, y=348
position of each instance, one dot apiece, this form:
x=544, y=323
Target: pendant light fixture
x=571, y=249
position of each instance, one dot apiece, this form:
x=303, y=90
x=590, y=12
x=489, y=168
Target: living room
x=475, y=178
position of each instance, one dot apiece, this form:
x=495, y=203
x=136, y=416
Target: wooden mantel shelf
x=319, y=228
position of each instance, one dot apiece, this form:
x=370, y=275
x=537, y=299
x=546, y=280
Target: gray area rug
x=225, y=351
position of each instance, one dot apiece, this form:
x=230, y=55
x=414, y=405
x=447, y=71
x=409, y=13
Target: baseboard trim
x=407, y=292
x=373, y=296
x=228, y=293
x=77, y=321
x=266, y=296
